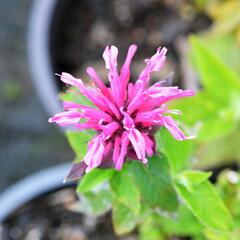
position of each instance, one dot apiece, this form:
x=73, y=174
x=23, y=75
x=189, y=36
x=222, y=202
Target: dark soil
x=49, y=218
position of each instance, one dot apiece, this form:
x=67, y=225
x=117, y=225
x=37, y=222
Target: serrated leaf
x=150, y=230
x=95, y=203
x=125, y=220
x=184, y=223
x=94, y=178
x=125, y=189
x=155, y=183
x=177, y=152
x=190, y=178
x=206, y=205
x=79, y=142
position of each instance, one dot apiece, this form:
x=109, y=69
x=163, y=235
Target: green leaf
x=155, y=183
x=95, y=203
x=150, y=230
x=183, y=224
x=177, y=152
x=211, y=117
x=125, y=189
x=125, y=220
x=73, y=95
x=79, y=142
x=227, y=48
x=222, y=151
x=213, y=111
x=215, y=235
x=215, y=75
x=204, y=203
x=199, y=237
x=190, y=178
x=93, y=178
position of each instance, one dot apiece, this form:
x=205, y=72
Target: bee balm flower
x=125, y=115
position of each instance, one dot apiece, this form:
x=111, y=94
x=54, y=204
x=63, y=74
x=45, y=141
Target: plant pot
x=31, y=188
x=38, y=207
x=40, y=63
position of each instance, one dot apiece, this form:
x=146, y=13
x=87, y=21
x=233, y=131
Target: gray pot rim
x=32, y=187
x=39, y=59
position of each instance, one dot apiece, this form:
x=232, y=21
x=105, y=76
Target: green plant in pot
x=136, y=161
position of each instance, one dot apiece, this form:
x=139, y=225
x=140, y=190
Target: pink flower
x=125, y=115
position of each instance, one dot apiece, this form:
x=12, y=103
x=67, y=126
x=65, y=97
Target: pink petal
x=92, y=94
x=155, y=63
x=94, y=156
x=88, y=112
x=138, y=99
x=108, y=148
x=95, y=96
x=125, y=72
x=138, y=143
x=123, y=151
x=110, y=56
x=91, y=72
x=70, y=80
x=149, y=144
x=147, y=116
x=111, y=108
x=116, y=149
x=101, y=101
x=109, y=129
x=169, y=92
x=157, y=99
x=71, y=105
x=94, y=114
x=66, y=118
x=88, y=125
x=158, y=91
x=173, y=128
x=130, y=92
x=127, y=121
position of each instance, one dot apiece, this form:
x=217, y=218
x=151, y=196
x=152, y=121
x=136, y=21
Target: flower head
x=125, y=115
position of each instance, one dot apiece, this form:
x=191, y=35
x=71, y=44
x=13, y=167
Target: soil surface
x=49, y=217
